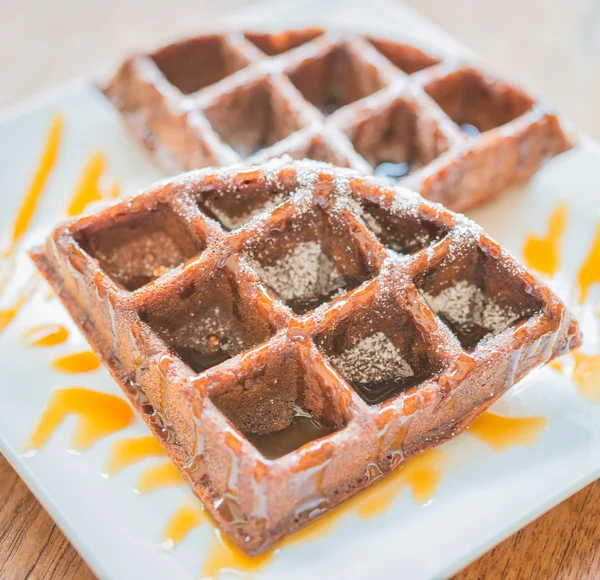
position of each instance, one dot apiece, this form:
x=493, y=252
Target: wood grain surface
x=552, y=47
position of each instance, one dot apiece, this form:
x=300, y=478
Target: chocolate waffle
x=292, y=332
x=448, y=129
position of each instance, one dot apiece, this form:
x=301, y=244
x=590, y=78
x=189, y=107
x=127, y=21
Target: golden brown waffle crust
x=394, y=102
x=254, y=500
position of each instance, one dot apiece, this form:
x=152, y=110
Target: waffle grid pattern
x=154, y=280
x=366, y=103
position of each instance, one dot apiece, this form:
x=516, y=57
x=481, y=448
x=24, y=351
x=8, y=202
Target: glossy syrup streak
x=130, y=451
x=38, y=183
x=542, y=253
x=422, y=474
x=501, y=432
x=45, y=335
x=183, y=521
x=586, y=375
x=159, y=476
x=75, y=363
x=584, y=371
x=301, y=430
x=89, y=188
x=589, y=272
x=99, y=415
x=25, y=215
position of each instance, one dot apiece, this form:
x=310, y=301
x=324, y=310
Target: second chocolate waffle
x=450, y=130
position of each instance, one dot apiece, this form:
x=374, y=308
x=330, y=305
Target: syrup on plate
x=99, y=415
x=590, y=270
x=90, y=188
x=77, y=362
x=38, y=183
x=183, y=521
x=127, y=452
x=501, y=432
x=158, y=477
x=542, y=253
x=45, y=335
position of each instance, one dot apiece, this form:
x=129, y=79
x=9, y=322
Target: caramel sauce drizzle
x=185, y=519
x=131, y=450
x=500, y=432
x=158, y=477
x=224, y=556
x=586, y=375
x=77, y=362
x=38, y=183
x=421, y=473
x=7, y=315
x=45, y=335
x=542, y=253
x=589, y=273
x=99, y=415
x=89, y=188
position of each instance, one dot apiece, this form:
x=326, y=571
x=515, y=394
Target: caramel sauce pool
x=131, y=450
x=89, y=188
x=586, y=375
x=45, y=335
x=99, y=415
x=501, y=432
x=77, y=362
x=589, y=272
x=542, y=253
x=181, y=524
x=159, y=476
x=7, y=315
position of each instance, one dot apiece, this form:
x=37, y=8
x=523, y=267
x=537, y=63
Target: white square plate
x=483, y=496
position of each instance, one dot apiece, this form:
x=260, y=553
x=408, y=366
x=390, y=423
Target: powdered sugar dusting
x=372, y=360
x=234, y=221
x=464, y=303
x=358, y=209
x=305, y=272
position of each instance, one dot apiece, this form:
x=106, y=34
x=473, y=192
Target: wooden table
x=553, y=48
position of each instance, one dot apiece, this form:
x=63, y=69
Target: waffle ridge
x=371, y=104
x=335, y=303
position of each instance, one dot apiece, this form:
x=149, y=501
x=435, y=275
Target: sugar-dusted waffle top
x=292, y=332
x=448, y=129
